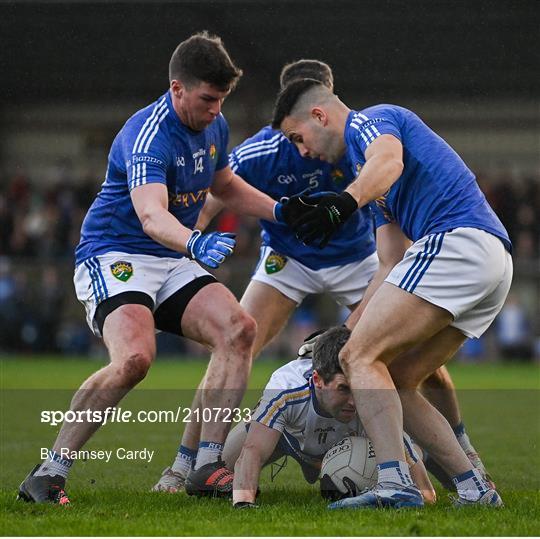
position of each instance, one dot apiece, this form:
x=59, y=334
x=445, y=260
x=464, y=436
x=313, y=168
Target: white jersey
x=289, y=405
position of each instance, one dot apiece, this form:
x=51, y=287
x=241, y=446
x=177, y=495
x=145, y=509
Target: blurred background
x=72, y=73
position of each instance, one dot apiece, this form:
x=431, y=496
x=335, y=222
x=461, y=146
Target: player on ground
x=306, y=408
x=288, y=270
x=137, y=265
x=449, y=285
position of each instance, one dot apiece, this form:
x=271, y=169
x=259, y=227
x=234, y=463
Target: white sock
x=208, y=452
x=54, y=464
x=394, y=471
x=183, y=460
x=470, y=485
x=463, y=438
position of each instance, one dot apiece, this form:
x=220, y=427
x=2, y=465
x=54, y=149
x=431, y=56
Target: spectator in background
x=513, y=330
x=40, y=221
x=12, y=306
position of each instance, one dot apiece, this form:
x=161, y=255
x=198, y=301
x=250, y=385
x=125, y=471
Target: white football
x=348, y=468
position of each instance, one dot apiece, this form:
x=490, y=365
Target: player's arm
x=151, y=205
x=391, y=246
x=240, y=197
x=258, y=446
x=320, y=219
x=383, y=167
x=212, y=206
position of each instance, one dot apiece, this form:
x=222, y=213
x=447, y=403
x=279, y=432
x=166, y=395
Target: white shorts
x=105, y=276
x=466, y=271
x=346, y=284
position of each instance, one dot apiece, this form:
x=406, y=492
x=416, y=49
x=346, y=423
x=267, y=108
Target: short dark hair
x=307, y=69
x=203, y=58
x=289, y=96
x=326, y=352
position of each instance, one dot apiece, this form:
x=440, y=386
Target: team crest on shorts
x=122, y=270
x=274, y=262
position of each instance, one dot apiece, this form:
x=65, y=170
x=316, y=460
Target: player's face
x=312, y=139
x=199, y=105
x=335, y=398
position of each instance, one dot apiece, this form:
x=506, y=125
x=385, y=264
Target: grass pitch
x=500, y=405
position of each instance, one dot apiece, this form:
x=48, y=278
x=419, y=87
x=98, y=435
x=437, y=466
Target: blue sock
x=394, y=471
x=459, y=430
x=184, y=459
x=208, y=452
x=470, y=485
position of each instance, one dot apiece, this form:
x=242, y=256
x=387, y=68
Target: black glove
x=329, y=490
x=289, y=210
x=321, y=222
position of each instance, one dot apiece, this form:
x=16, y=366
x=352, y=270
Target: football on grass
x=348, y=468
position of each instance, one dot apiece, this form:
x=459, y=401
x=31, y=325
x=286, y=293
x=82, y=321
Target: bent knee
x=241, y=331
x=436, y=380
x=135, y=368
x=352, y=358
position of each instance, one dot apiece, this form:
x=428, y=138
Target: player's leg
x=407, y=311
x=120, y=310
x=270, y=298
x=270, y=308
x=214, y=317
x=233, y=444
x=440, y=391
x=393, y=322
x=347, y=284
x=422, y=420
x=128, y=333
x=408, y=371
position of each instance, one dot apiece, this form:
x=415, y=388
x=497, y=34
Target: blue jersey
x=436, y=192
x=153, y=146
x=270, y=163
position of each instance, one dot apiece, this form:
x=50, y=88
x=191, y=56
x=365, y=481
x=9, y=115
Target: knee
x=436, y=380
x=345, y=360
x=241, y=331
x=135, y=368
x=352, y=360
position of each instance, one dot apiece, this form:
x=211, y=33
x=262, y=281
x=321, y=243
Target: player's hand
x=289, y=210
x=321, y=222
x=210, y=249
x=306, y=349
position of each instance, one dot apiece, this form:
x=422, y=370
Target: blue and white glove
x=210, y=249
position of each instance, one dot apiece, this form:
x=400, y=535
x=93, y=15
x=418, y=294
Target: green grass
x=500, y=403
